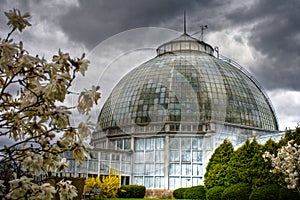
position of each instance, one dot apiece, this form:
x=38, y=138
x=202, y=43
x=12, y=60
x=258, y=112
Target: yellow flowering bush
x=109, y=184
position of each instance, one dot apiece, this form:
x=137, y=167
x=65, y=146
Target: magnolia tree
x=33, y=114
x=287, y=162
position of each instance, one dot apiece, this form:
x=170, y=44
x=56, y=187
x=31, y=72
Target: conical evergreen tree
x=216, y=167
x=261, y=168
x=239, y=168
x=290, y=135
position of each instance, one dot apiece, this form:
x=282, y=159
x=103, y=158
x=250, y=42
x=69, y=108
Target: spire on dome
x=184, y=23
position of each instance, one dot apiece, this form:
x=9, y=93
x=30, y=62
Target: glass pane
x=175, y=169
x=149, y=143
x=159, y=156
x=174, y=156
x=138, y=180
x=159, y=143
x=159, y=169
x=174, y=143
x=126, y=143
x=139, y=157
x=186, y=156
x=149, y=182
x=185, y=143
x=159, y=182
x=149, y=156
x=139, y=144
x=139, y=168
x=197, y=156
x=150, y=170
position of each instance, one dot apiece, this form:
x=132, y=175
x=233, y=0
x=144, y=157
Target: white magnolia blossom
x=25, y=188
x=66, y=190
x=33, y=112
x=287, y=162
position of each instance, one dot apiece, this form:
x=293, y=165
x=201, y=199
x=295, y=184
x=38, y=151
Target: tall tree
x=239, y=169
x=261, y=169
x=216, y=168
x=33, y=112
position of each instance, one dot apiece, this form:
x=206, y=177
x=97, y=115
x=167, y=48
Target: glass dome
x=183, y=86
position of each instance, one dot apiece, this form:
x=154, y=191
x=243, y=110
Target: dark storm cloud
x=94, y=21
x=276, y=34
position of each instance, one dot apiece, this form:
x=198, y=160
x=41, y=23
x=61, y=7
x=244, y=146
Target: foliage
x=92, y=182
x=287, y=162
x=215, y=193
x=261, y=169
x=195, y=192
x=265, y=192
x=33, y=114
x=239, y=169
x=290, y=135
x=217, y=165
x=109, y=184
x=237, y=192
x=289, y=194
x=179, y=193
x=132, y=191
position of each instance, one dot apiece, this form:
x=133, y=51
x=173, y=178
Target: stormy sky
x=117, y=35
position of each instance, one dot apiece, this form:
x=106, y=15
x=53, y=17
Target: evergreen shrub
x=265, y=192
x=237, y=191
x=195, y=192
x=132, y=191
x=179, y=193
x=215, y=193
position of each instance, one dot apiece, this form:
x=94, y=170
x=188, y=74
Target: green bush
x=195, y=192
x=237, y=191
x=215, y=193
x=179, y=193
x=132, y=191
x=265, y=192
x=285, y=193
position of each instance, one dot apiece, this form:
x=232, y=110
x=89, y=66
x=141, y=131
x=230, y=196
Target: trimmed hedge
x=285, y=194
x=195, y=192
x=265, y=192
x=215, y=193
x=179, y=193
x=237, y=192
x=132, y=191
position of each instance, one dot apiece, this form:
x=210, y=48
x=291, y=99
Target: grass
x=131, y=199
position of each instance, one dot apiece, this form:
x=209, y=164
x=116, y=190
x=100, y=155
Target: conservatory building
x=164, y=119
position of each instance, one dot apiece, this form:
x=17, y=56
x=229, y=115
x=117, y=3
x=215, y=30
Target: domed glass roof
x=186, y=85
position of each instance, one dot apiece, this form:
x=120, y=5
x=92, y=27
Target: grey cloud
x=276, y=34
x=95, y=21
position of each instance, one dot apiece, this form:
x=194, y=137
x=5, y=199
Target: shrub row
x=195, y=192
x=132, y=191
x=243, y=191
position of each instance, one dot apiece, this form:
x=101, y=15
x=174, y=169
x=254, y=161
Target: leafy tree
x=216, y=168
x=33, y=113
x=239, y=169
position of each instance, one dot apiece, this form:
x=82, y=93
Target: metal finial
x=184, y=23
x=203, y=27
